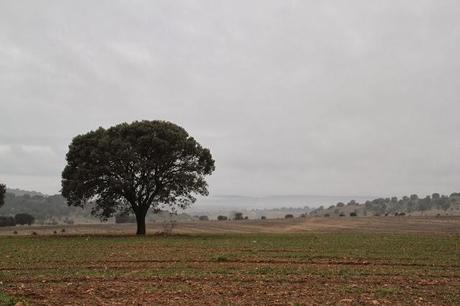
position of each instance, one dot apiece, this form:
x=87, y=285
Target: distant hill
x=54, y=208
x=219, y=202
x=435, y=204
x=43, y=207
x=20, y=192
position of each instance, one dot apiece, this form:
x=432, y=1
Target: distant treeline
x=54, y=209
x=41, y=207
x=434, y=204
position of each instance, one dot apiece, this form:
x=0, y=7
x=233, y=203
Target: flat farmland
x=291, y=262
x=442, y=225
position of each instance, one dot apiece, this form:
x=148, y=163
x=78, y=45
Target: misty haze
x=263, y=152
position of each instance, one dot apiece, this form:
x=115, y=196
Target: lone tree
x=2, y=194
x=134, y=167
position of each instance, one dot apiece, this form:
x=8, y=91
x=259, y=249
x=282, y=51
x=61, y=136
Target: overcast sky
x=292, y=97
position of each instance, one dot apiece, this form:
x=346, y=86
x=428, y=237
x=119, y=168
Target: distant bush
x=51, y=221
x=7, y=221
x=353, y=214
x=169, y=224
x=327, y=215
x=125, y=219
x=263, y=218
x=23, y=219
x=288, y=216
x=246, y=217
x=203, y=218
x=351, y=203
x=238, y=216
x=340, y=204
x=341, y=214
x=2, y=194
x=68, y=221
x=222, y=218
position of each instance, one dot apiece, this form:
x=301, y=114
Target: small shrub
x=288, y=216
x=221, y=258
x=55, y=232
x=15, y=232
x=263, y=218
x=353, y=214
x=51, y=221
x=238, y=216
x=68, y=221
x=34, y=234
x=222, y=218
x=341, y=214
x=203, y=218
x=245, y=218
x=5, y=299
x=169, y=224
x=63, y=230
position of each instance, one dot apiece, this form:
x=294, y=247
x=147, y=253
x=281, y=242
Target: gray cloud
x=304, y=97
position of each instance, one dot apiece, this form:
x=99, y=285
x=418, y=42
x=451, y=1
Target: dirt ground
x=311, y=261
x=444, y=224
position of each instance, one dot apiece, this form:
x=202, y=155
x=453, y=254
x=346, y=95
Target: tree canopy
x=134, y=167
x=2, y=194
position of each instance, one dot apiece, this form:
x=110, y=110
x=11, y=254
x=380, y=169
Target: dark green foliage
x=238, y=216
x=288, y=216
x=394, y=207
x=23, y=219
x=263, y=218
x=134, y=167
x=7, y=221
x=203, y=218
x=353, y=214
x=2, y=194
x=125, y=219
x=6, y=300
x=222, y=218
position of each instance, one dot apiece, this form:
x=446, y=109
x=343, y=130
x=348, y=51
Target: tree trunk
x=140, y=219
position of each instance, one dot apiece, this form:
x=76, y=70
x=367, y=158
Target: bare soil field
x=429, y=224
x=312, y=261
